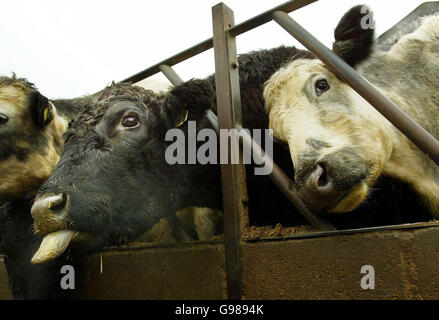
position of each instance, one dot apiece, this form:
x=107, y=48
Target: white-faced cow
x=340, y=145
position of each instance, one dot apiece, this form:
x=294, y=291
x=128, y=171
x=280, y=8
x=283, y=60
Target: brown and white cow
x=339, y=143
x=31, y=130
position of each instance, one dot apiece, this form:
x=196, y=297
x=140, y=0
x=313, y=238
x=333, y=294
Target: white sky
x=71, y=48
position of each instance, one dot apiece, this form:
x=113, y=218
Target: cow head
x=30, y=138
x=112, y=182
x=336, y=142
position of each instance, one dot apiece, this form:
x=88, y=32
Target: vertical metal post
x=229, y=117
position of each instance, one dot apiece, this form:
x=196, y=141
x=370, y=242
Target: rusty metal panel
x=406, y=265
x=405, y=262
x=185, y=271
x=5, y=294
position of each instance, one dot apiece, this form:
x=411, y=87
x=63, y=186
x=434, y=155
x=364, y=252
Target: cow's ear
x=41, y=109
x=354, y=35
x=187, y=101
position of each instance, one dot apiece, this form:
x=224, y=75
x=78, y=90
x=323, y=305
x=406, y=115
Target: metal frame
x=229, y=116
x=234, y=187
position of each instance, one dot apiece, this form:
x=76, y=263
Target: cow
x=125, y=175
x=31, y=130
x=112, y=182
x=339, y=144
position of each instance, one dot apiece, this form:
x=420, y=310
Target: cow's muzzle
x=49, y=212
x=331, y=180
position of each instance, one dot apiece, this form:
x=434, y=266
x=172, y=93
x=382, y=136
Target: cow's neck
x=408, y=163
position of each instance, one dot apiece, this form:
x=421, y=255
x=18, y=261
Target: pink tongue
x=53, y=245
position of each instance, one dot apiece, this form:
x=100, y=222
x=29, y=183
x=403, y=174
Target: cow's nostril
x=58, y=205
x=46, y=206
x=323, y=179
x=49, y=213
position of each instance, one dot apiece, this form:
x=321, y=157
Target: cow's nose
x=318, y=189
x=320, y=180
x=49, y=211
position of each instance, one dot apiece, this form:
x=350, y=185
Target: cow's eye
x=321, y=86
x=3, y=119
x=130, y=122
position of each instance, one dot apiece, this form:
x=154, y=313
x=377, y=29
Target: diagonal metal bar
x=412, y=130
x=208, y=43
x=169, y=73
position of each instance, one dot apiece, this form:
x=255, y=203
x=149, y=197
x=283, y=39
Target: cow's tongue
x=53, y=245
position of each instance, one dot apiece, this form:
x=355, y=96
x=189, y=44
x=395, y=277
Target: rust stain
x=409, y=273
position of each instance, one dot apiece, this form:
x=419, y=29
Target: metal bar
x=412, y=130
x=179, y=57
x=267, y=16
x=400, y=227
x=208, y=43
x=213, y=119
x=178, y=229
x=308, y=235
x=229, y=116
x=169, y=73
x=277, y=175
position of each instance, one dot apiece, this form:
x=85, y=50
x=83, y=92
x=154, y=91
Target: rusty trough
x=306, y=267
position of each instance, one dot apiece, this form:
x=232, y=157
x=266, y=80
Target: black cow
x=31, y=130
x=31, y=140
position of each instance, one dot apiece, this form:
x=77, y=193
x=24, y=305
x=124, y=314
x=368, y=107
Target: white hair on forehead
x=296, y=71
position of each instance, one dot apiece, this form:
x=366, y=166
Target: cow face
x=112, y=182
x=30, y=138
x=336, y=142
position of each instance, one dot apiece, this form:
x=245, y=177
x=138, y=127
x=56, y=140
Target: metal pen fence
x=229, y=117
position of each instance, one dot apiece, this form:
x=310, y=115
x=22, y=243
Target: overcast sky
x=71, y=48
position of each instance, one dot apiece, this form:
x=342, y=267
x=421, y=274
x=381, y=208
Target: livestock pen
x=324, y=264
